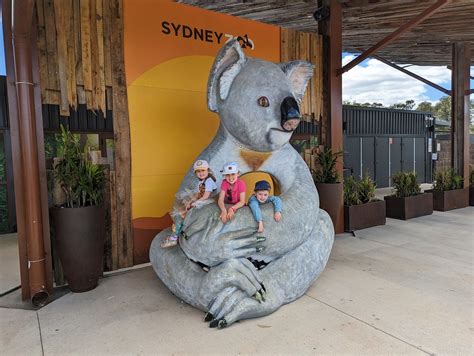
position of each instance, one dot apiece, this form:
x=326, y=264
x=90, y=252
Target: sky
x=373, y=81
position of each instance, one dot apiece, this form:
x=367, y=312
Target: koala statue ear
x=299, y=73
x=228, y=63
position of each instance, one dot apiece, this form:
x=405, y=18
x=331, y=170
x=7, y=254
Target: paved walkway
x=405, y=288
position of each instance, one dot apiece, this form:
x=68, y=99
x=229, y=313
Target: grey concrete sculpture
x=255, y=133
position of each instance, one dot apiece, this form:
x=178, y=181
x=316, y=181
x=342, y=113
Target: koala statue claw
x=257, y=102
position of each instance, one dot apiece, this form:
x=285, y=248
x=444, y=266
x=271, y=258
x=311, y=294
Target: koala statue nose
x=290, y=114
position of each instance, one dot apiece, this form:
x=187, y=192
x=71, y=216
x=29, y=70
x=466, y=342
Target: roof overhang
x=366, y=22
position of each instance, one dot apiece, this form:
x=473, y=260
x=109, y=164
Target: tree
x=365, y=105
x=407, y=105
x=442, y=109
x=425, y=106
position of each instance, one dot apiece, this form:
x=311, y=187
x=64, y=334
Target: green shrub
x=82, y=181
x=359, y=192
x=447, y=179
x=366, y=189
x=351, y=192
x=326, y=173
x=471, y=178
x=405, y=184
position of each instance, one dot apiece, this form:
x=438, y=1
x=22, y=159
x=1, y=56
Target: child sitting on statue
x=207, y=184
x=262, y=196
x=232, y=193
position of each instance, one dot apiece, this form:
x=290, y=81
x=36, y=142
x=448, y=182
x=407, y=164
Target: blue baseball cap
x=262, y=185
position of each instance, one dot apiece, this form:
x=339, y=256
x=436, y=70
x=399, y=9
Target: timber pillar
x=331, y=125
x=460, y=115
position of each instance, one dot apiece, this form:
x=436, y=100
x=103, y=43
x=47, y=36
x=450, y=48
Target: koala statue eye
x=263, y=101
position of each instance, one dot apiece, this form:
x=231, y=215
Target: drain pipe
x=22, y=19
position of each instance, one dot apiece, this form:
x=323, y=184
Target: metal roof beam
x=394, y=35
x=413, y=75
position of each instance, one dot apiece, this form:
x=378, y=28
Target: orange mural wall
x=169, y=50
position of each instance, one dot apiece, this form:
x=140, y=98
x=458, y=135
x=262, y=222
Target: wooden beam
x=122, y=140
x=470, y=76
x=331, y=125
x=62, y=55
x=411, y=74
x=396, y=34
x=460, y=116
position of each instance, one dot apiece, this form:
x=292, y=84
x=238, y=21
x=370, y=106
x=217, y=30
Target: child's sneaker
x=170, y=241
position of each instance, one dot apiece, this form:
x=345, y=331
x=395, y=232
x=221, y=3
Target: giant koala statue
x=257, y=102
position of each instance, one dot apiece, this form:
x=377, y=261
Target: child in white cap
x=232, y=192
x=205, y=187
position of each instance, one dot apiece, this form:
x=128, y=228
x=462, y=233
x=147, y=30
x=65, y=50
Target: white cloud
x=377, y=82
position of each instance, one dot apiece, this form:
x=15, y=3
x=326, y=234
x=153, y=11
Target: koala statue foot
x=247, y=275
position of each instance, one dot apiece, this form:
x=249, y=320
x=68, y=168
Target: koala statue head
x=257, y=101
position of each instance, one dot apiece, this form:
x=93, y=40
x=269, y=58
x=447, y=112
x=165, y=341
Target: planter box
x=450, y=199
x=409, y=207
x=471, y=196
x=357, y=217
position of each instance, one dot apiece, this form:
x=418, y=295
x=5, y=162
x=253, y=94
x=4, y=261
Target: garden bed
x=362, y=216
x=405, y=208
x=450, y=199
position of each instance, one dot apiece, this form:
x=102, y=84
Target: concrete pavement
x=404, y=288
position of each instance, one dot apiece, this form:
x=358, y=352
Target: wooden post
x=122, y=141
x=331, y=124
x=460, y=110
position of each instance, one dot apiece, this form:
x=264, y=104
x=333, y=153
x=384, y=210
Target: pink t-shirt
x=232, y=193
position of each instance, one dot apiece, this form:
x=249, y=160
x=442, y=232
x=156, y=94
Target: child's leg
x=172, y=240
x=169, y=241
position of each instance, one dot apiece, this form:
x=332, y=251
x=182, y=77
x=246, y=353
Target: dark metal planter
x=471, y=196
x=330, y=200
x=409, y=207
x=358, y=217
x=80, y=234
x=450, y=199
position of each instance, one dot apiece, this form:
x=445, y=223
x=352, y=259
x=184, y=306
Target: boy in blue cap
x=262, y=196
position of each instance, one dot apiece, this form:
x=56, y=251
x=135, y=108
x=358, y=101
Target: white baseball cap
x=230, y=168
x=201, y=164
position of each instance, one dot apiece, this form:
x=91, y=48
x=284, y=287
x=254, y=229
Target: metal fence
x=381, y=142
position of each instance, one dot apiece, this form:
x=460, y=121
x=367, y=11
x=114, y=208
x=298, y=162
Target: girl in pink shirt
x=232, y=192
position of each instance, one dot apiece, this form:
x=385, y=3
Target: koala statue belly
x=257, y=102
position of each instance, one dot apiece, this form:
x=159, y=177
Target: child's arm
x=255, y=208
x=257, y=213
x=205, y=196
x=235, y=207
x=241, y=202
x=242, y=189
x=221, y=204
x=276, y=201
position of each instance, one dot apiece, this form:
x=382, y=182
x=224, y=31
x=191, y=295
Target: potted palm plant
x=361, y=209
x=328, y=183
x=448, y=191
x=80, y=222
x=408, y=201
